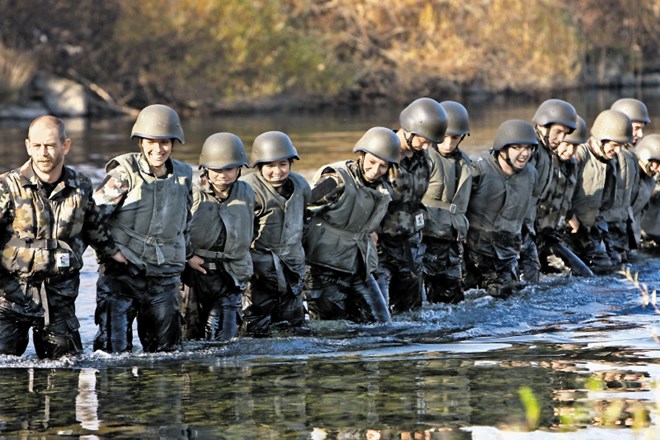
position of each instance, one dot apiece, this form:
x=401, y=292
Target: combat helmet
x=580, y=134
x=633, y=108
x=648, y=149
x=272, y=146
x=222, y=151
x=381, y=142
x=458, y=120
x=425, y=117
x=158, y=121
x=556, y=111
x=612, y=125
x=514, y=131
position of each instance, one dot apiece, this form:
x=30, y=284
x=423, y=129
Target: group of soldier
x=411, y=218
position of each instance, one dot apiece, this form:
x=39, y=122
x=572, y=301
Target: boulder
x=62, y=96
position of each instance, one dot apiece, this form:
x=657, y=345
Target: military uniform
x=542, y=161
x=497, y=209
x=619, y=216
x=274, y=294
x=641, y=196
x=149, y=219
x=400, y=247
x=221, y=232
x=46, y=229
x=339, y=250
x=554, y=207
x=594, y=193
x=446, y=201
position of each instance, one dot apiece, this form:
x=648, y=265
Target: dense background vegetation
x=215, y=55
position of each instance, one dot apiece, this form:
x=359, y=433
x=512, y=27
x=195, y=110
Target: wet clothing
x=554, y=207
x=446, y=227
x=650, y=223
x=619, y=217
x=45, y=230
x=594, y=194
x=542, y=160
x=400, y=247
x=640, y=199
x=274, y=294
x=149, y=217
x=338, y=247
x=220, y=233
x=497, y=210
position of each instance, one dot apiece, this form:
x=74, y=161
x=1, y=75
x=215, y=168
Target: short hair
x=51, y=121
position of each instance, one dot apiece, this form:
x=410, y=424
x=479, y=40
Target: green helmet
x=381, y=142
x=514, y=131
x=158, y=121
x=272, y=146
x=648, y=149
x=556, y=111
x=458, y=121
x=222, y=151
x=633, y=108
x=612, y=125
x=425, y=117
x=580, y=134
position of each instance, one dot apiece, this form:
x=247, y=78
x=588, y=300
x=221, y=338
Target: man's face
x=156, y=151
x=556, y=134
x=276, y=172
x=46, y=150
x=565, y=151
x=611, y=149
x=638, y=131
x=374, y=168
x=519, y=155
x=449, y=144
x=419, y=143
x=224, y=177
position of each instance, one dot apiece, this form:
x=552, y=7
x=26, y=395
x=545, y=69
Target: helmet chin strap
x=545, y=137
x=507, y=160
x=409, y=140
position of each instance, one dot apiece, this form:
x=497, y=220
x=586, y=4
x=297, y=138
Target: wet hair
x=50, y=121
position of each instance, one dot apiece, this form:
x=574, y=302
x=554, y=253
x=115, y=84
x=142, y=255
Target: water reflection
x=345, y=397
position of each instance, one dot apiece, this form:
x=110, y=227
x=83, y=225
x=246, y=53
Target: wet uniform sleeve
x=186, y=232
x=96, y=231
x=112, y=191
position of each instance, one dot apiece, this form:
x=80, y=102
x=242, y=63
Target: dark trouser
x=401, y=271
x=212, y=310
x=589, y=245
x=20, y=310
x=617, y=242
x=121, y=296
x=337, y=295
x=529, y=263
x=497, y=276
x=443, y=260
x=266, y=305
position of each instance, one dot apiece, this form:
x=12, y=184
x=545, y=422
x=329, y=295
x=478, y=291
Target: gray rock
x=62, y=96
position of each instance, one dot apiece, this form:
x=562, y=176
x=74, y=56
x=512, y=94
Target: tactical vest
x=447, y=196
x=280, y=224
x=621, y=210
x=221, y=232
x=338, y=234
x=150, y=225
x=409, y=180
x=590, y=188
x=498, y=207
x=45, y=236
x=554, y=206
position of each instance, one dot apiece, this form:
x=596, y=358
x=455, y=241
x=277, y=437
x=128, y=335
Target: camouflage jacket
x=46, y=236
x=409, y=180
x=149, y=217
x=628, y=175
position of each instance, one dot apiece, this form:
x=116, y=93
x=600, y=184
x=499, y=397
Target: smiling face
x=610, y=149
x=556, y=133
x=638, y=131
x=565, y=151
x=276, y=172
x=515, y=157
x=373, y=168
x=47, y=150
x=156, y=152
